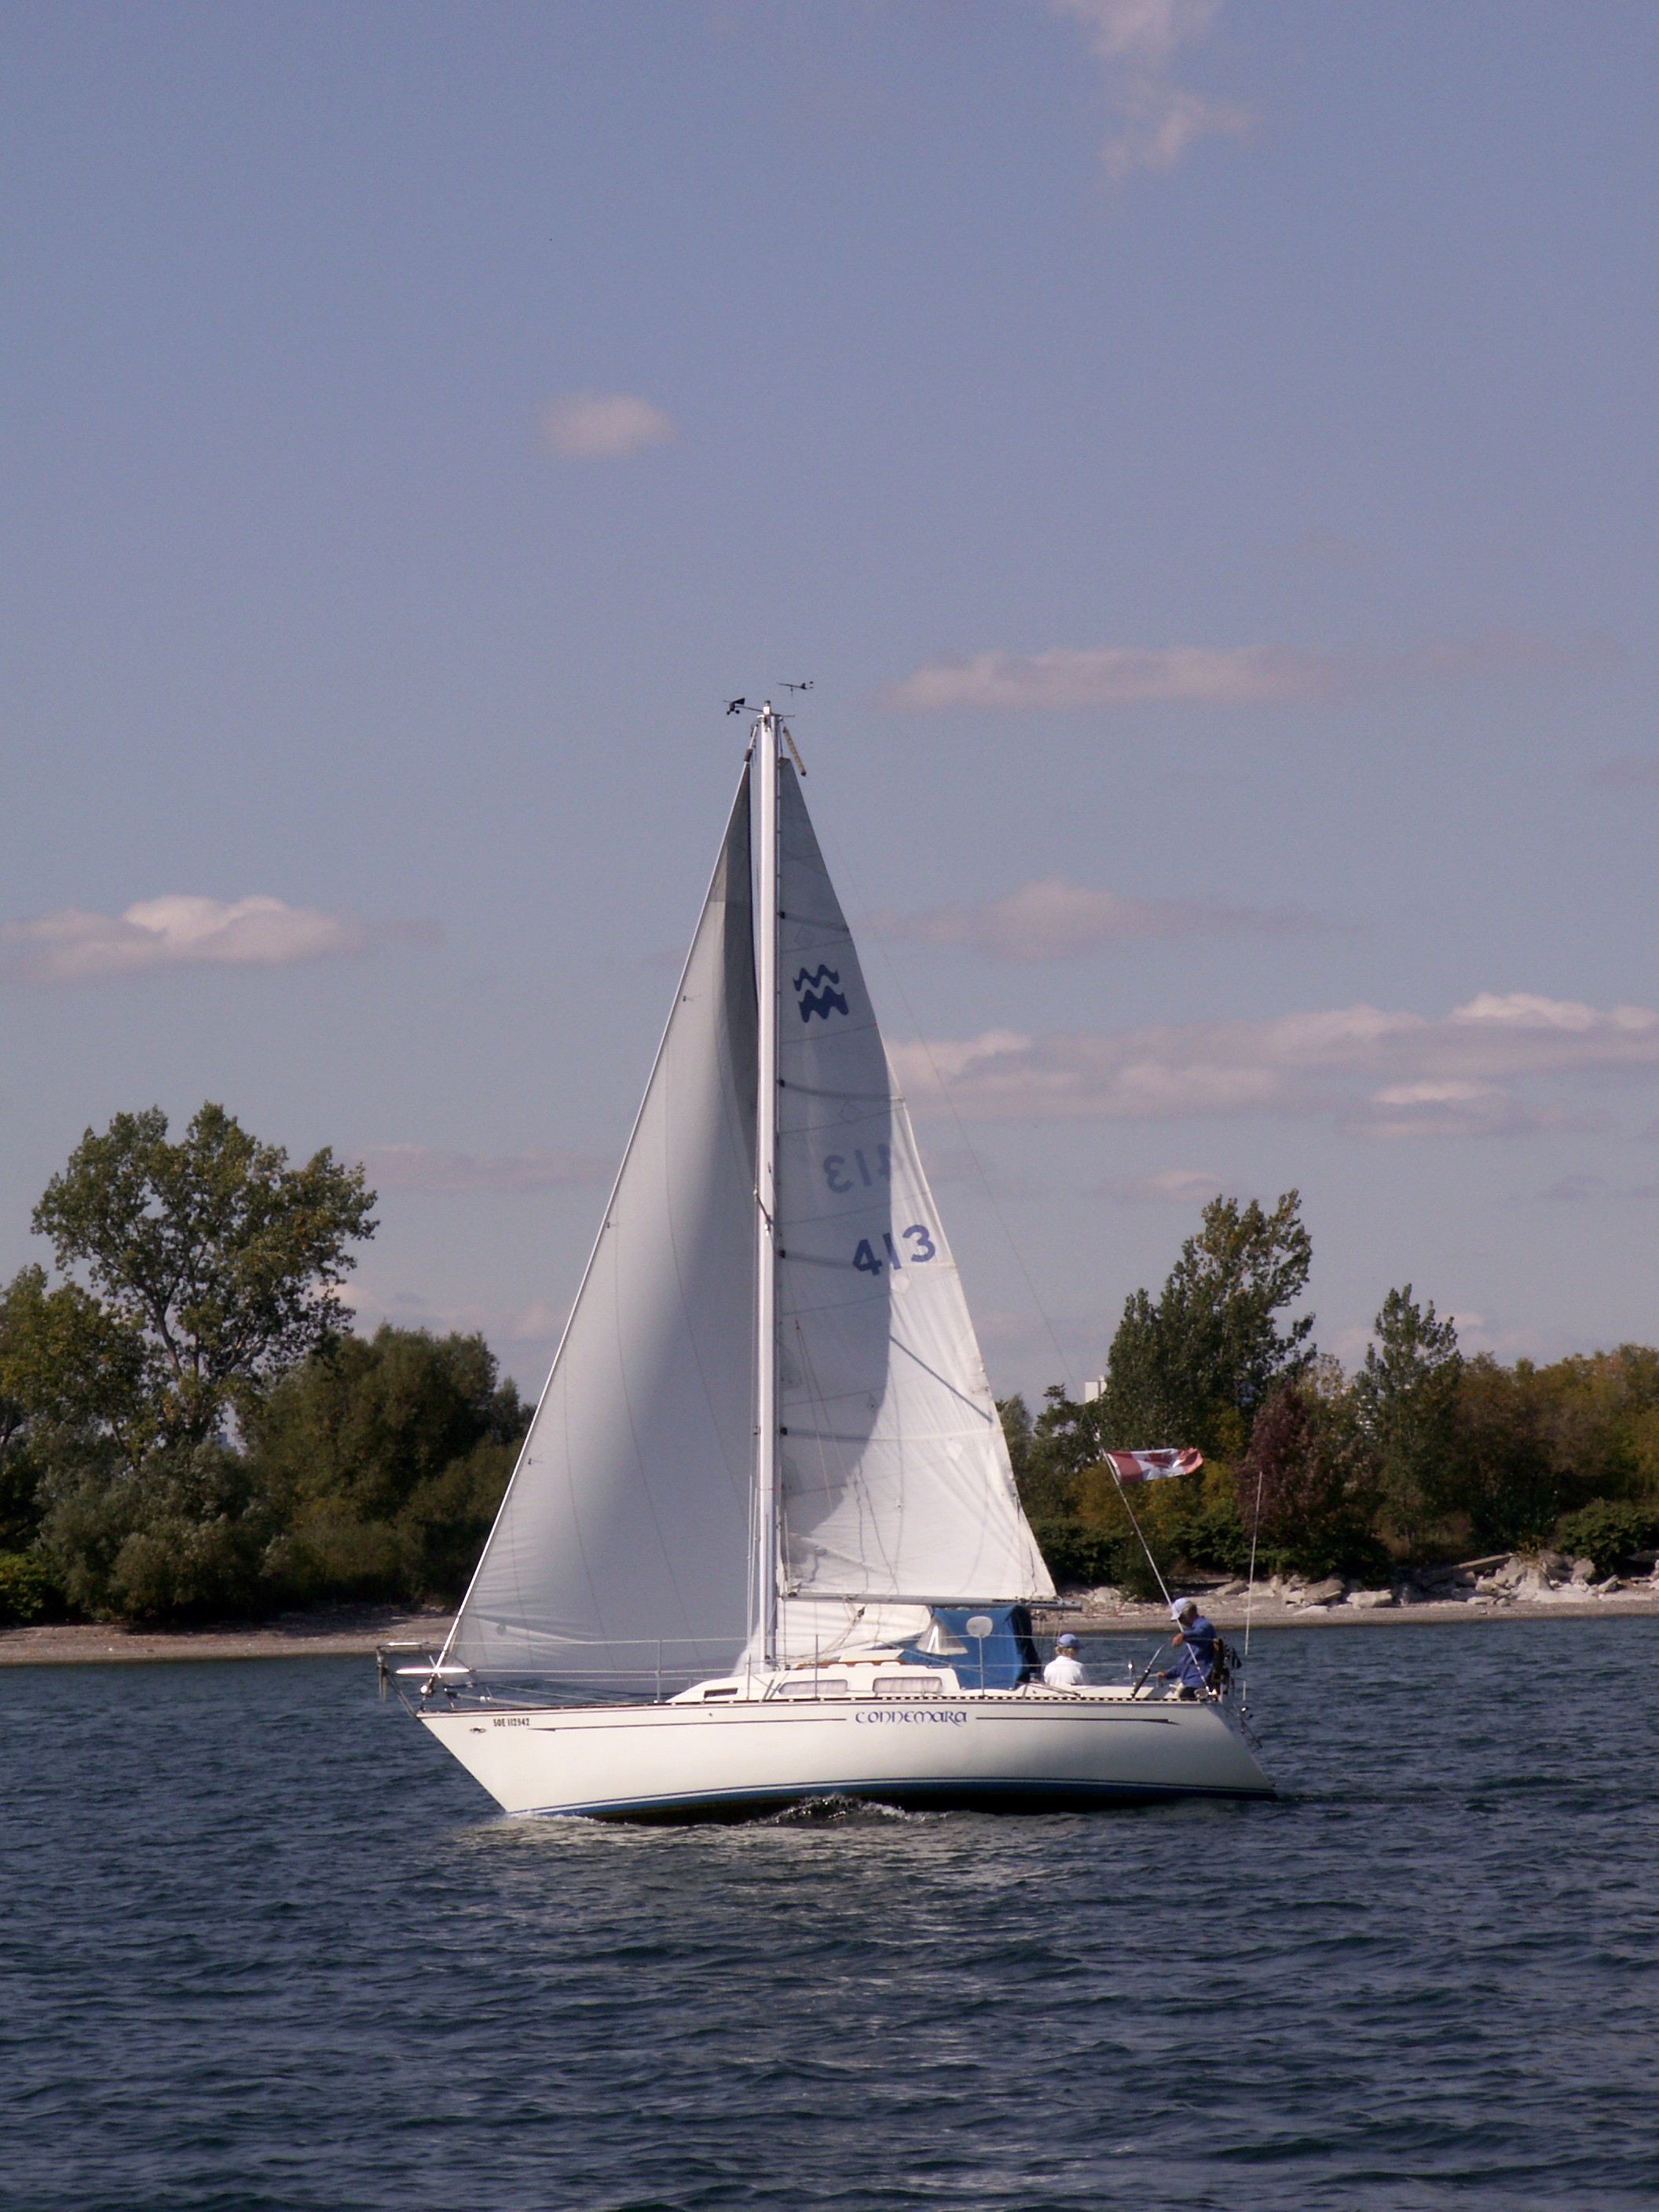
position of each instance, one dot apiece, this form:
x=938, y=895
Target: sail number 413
x=923, y=1247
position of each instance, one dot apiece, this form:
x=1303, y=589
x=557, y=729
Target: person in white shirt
x=1062, y=1671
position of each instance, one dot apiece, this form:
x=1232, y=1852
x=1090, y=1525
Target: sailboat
x=762, y=1544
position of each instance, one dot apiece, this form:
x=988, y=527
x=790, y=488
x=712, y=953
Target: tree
x=182, y=1538
x=1509, y=1486
x=1406, y=1396
x=1600, y=1412
x=1311, y=1480
x=210, y=1268
x=1193, y=1366
x=67, y=1363
x=385, y=1460
x=70, y=1396
x=19, y=1515
x=1016, y=1417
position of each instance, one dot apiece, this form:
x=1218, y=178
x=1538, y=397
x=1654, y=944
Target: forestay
x=621, y=1544
x=895, y=1479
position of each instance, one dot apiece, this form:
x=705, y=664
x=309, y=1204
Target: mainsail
x=621, y=1555
x=895, y=1479
x=618, y=1557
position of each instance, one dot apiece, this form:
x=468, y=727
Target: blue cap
x=1067, y=1638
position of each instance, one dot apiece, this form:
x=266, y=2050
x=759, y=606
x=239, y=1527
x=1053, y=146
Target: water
x=264, y=1946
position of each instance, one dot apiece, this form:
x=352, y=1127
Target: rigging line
x=978, y=1412
x=1255, y=1530
x=873, y=933
x=1135, y=1525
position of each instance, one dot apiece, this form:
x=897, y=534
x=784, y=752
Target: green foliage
x=372, y=1471
x=1218, y=1537
x=185, y=1433
x=20, y=1499
x=1426, y=1454
x=65, y=1366
x=1185, y=1369
x=385, y=1459
x=177, y=1539
x=1310, y=1478
x=1081, y=1554
x=210, y=1268
x=1609, y=1532
x=1188, y=1521
x=1508, y=1488
x=1191, y=1366
x=1084, y=1525
x=1406, y=1400
x=1016, y=1418
x=1045, y=1452
x=1598, y=1415
x=28, y=1589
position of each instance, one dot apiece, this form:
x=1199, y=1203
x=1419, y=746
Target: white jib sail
x=621, y=1547
x=895, y=1479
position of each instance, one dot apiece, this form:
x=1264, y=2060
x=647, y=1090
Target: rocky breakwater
x=1504, y=1584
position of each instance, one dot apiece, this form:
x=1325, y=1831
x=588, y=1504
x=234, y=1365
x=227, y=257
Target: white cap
x=1181, y=1607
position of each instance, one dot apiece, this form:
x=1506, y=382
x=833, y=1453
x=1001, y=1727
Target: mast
x=764, y=1562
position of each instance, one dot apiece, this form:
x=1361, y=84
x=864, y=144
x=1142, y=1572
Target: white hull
x=1018, y=1750
x=769, y=1443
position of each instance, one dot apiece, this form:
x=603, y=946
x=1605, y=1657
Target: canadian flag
x=1153, y=1466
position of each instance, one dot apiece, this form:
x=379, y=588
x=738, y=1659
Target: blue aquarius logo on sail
x=814, y=995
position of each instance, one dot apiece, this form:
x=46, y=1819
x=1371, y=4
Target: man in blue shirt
x=1194, y=1641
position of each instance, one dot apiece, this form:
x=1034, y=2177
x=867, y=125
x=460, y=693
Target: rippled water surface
x=264, y=1945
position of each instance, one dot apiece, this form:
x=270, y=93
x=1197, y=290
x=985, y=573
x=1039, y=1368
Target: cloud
x=1116, y=676
x=1169, y=1186
x=1056, y=921
x=1066, y=678
x=1137, y=43
x=1624, y=773
x=419, y=1167
x=1580, y=1189
x=1575, y=1190
x=530, y=1332
x=971, y=1172
x=1404, y=1111
x=537, y=1324
x=72, y=946
x=602, y=426
x=1375, y=1073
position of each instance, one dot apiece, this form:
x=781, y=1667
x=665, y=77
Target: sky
x=1202, y=453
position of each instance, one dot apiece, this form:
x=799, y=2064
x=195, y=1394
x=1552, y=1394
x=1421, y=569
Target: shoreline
x=1230, y=1617
x=350, y=1633
x=355, y=1633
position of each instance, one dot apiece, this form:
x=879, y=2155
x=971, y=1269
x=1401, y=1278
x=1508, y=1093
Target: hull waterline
x=975, y=1752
